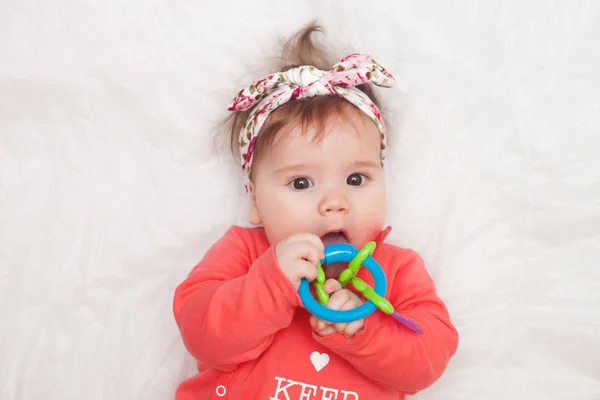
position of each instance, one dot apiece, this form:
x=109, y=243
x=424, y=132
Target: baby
x=311, y=141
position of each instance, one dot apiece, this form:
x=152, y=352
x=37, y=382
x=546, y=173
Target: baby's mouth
x=338, y=237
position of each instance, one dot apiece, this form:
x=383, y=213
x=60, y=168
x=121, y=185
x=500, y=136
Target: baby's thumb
x=331, y=285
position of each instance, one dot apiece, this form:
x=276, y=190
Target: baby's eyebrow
x=291, y=168
x=303, y=166
x=365, y=164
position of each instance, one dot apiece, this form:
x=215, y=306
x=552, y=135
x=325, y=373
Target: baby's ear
x=253, y=215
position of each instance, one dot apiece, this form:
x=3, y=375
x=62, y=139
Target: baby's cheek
x=375, y=225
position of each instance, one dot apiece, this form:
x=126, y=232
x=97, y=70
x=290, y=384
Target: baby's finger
x=352, y=302
x=312, y=239
x=321, y=324
x=313, y=322
x=318, y=324
x=346, y=300
x=309, y=271
x=353, y=327
x=327, y=331
x=338, y=299
x=306, y=250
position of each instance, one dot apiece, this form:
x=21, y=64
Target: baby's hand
x=298, y=256
x=341, y=299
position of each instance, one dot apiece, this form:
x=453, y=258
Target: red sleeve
x=229, y=308
x=391, y=354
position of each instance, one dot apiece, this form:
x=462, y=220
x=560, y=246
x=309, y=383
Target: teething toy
x=375, y=296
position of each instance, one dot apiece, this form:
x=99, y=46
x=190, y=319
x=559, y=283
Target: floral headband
x=305, y=82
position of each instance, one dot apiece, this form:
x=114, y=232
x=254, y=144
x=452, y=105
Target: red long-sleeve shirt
x=244, y=323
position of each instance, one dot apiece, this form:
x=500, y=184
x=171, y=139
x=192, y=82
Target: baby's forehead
x=344, y=140
x=349, y=123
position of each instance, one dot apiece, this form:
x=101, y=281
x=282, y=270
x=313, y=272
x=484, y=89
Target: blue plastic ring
x=344, y=253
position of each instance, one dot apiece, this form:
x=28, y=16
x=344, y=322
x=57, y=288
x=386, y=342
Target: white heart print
x=319, y=360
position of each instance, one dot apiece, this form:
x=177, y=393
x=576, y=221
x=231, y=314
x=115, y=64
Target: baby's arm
x=228, y=311
x=389, y=353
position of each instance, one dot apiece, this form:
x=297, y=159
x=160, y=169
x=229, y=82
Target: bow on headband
x=304, y=82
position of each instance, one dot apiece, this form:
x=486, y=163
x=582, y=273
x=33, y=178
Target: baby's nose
x=334, y=203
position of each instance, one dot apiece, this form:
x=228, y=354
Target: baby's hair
x=298, y=50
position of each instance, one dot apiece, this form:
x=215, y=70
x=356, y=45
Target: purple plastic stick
x=406, y=322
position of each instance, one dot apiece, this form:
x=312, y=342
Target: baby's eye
x=301, y=183
x=356, y=179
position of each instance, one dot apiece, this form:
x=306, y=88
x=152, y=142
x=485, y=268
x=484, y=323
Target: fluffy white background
x=110, y=191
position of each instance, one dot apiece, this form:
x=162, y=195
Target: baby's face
x=335, y=185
